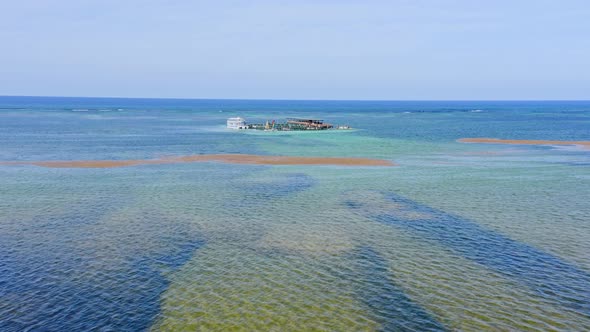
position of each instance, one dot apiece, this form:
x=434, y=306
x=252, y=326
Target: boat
x=236, y=123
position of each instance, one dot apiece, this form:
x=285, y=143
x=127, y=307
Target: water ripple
x=392, y=307
x=81, y=281
x=553, y=279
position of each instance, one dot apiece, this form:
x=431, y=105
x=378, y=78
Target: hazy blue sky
x=321, y=49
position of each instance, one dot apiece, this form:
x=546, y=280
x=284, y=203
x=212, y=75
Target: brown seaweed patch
x=225, y=158
x=585, y=144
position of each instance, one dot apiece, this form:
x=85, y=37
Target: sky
x=306, y=49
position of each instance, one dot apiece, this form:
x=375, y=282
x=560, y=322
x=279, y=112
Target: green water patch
x=336, y=145
x=226, y=288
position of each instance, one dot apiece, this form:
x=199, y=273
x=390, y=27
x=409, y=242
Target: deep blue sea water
x=458, y=236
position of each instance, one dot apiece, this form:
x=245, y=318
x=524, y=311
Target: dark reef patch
x=390, y=306
x=49, y=286
x=554, y=279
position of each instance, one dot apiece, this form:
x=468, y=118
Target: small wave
x=13, y=109
x=569, y=148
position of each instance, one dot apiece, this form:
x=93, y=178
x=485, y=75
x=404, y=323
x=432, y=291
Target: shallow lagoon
x=457, y=237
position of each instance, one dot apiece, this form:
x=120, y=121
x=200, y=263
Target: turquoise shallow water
x=457, y=237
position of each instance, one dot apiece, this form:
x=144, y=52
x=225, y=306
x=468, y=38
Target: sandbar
x=585, y=144
x=224, y=158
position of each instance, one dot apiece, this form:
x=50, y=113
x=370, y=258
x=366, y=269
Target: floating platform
x=292, y=124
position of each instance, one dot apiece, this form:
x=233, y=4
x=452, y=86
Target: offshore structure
x=292, y=124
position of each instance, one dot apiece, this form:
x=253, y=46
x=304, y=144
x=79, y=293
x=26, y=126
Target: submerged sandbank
x=585, y=144
x=225, y=158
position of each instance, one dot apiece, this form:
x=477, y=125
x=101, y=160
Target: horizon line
x=284, y=99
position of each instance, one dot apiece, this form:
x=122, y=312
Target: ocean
x=456, y=237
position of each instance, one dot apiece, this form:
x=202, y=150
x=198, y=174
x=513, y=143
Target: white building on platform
x=236, y=123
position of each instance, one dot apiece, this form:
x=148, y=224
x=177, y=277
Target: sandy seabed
x=225, y=158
